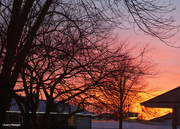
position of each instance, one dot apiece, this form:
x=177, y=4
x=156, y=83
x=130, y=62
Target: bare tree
x=125, y=82
x=67, y=70
x=23, y=24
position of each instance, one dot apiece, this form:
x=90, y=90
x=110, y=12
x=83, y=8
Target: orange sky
x=167, y=58
x=150, y=113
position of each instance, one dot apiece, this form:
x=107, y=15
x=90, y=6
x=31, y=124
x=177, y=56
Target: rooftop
x=169, y=99
x=64, y=108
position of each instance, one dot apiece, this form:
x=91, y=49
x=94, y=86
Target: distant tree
x=124, y=84
x=24, y=23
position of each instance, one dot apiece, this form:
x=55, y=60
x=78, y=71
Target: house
x=170, y=99
x=81, y=120
x=127, y=116
x=130, y=116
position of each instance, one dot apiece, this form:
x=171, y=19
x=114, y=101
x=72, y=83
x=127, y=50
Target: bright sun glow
x=146, y=113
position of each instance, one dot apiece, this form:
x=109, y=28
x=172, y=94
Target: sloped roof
x=169, y=99
x=64, y=108
x=168, y=116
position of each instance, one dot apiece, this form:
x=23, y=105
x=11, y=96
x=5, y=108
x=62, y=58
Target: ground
x=129, y=125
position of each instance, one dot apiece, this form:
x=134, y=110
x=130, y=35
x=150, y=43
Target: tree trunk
x=120, y=122
x=5, y=102
x=44, y=121
x=121, y=104
x=120, y=117
x=27, y=122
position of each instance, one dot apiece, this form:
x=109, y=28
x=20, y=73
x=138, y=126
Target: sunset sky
x=167, y=58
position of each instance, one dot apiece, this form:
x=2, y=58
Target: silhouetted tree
x=67, y=70
x=125, y=82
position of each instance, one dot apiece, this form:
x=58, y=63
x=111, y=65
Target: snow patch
x=128, y=125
